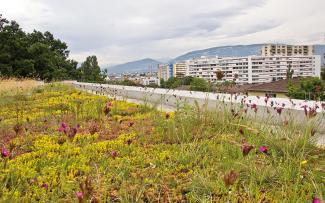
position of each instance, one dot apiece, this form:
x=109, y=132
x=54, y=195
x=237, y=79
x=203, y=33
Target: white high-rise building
x=147, y=81
x=254, y=69
x=165, y=71
x=180, y=69
x=287, y=50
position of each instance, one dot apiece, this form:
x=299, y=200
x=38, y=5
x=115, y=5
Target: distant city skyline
x=121, y=31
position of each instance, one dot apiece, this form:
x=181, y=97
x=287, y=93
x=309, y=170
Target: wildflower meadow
x=60, y=144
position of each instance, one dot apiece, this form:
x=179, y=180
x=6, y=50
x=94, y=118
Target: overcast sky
x=118, y=31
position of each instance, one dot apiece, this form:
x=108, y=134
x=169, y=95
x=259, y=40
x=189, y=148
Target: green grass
x=138, y=154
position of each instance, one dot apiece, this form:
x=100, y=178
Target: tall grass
x=16, y=85
x=127, y=152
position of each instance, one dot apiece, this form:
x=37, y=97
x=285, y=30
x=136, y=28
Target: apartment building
x=254, y=69
x=147, y=81
x=165, y=71
x=287, y=50
x=204, y=67
x=180, y=69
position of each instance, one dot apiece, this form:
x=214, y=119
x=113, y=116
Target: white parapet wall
x=268, y=110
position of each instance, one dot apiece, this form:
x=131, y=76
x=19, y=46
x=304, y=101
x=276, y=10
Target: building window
x=270, y=95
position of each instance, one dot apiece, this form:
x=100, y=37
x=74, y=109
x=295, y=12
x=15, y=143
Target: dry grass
x=17, y=84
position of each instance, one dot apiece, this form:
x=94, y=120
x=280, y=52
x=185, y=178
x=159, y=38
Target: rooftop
x=276, y=86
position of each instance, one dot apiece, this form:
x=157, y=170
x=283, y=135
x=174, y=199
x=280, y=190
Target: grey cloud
x=89, y=26
x=254, y=29
x=121, y=30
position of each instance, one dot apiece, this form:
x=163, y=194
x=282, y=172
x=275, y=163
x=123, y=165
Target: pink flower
x=5, y=153
x=45, y=186
x=79, y=195
x=263, y=149
x=63, y=127
x=316, y=200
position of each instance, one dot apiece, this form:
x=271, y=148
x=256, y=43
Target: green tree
x=289, y=72
x=323, y=73
x=3, y=21
x=162, y=83
x=187, y=80
x=309, y=88
x=172, y=82
x=128, y=83
x=199, y=84
x=90, y=70
x=33, y=54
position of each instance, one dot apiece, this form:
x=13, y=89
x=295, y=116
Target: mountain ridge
x=222, y=51
x=142, y=65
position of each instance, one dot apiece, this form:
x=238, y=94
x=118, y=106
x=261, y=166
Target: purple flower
x=45, y=186
x=241, y=131
x=74, y=131
x=246, y=148
x=114, y=154
x=263, y=149
x=316, y=200
x=279, y=110
x=79, y=195
x=63, y=127
x=5, y=153
x=312, y=112
x=254, y=106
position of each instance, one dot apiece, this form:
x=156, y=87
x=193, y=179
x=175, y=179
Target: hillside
x=135, y=66
x=237, y=50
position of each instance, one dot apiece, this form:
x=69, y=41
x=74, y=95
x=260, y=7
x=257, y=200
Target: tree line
x=40, y=55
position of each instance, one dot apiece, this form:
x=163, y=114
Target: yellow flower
x=304, y=162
